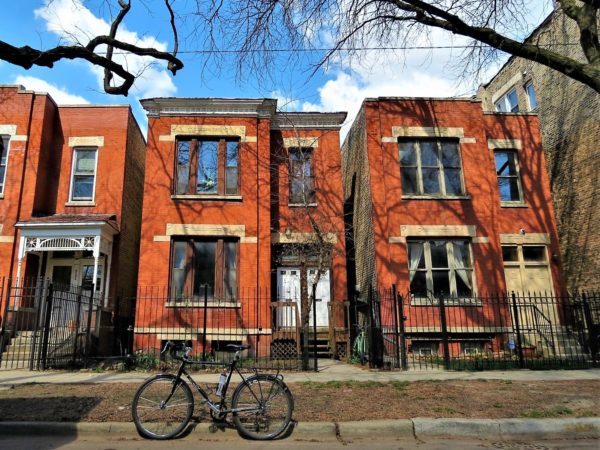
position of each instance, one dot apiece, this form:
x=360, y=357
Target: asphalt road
x=104, y=442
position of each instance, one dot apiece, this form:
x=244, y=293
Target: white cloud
x=74, y=23
x=60, y=95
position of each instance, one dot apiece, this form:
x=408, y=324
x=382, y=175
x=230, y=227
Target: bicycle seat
x=237, y=347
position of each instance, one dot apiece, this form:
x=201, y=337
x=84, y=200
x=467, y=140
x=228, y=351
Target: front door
x=288, y=290
x=74, y=273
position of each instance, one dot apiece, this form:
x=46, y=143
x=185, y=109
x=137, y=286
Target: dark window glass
x=207, y=166
x=509, y=183
x=204, y=267
x=302, y=189
x=534, y=253
x=510, y=253
x=3, y=161
x=430, y=167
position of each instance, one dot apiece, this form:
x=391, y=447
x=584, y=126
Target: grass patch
x=400, y=386
x=559, y=411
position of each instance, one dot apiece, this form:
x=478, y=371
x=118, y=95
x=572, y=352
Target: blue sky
x=339, y=87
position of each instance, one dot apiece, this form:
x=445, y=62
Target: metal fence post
x=402, y=317
x=77, y=323
x=314, y=308
x=593, y=335
x=396, y=324
x=444, y=326
x=46, y=330
x=518, y=330
x=204, y=322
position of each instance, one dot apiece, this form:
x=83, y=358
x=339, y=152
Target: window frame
x=451, y=269
x=74, y=174
x=292, y=199
x=516, y=176
x=6, y=147
x=221, y=169
x=529, y=85
x=440, y=167
x=503, y=103
x=219, y=288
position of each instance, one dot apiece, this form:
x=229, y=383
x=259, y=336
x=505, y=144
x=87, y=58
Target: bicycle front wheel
x=162, y=407
x=262, y=407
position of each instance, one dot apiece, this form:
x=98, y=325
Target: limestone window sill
x=209, y=197
x=82, y=203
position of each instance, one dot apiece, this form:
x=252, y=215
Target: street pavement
x=414, y=429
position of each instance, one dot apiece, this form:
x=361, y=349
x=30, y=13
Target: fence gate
x=45, y=325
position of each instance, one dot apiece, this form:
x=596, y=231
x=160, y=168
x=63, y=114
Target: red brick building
x=237, y=196
x=71, y=181
x=447, y=199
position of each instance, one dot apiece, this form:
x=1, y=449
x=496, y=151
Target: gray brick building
x=569, y=114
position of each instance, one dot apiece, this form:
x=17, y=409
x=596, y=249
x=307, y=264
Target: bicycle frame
x=216, y=407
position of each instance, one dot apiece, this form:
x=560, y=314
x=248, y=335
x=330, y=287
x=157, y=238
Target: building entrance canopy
x=70, y=232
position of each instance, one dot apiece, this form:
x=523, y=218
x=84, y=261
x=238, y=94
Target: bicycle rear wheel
x=162, y=407
x=262, y=407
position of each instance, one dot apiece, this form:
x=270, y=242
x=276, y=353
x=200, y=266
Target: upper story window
x=207, y=166
x=531, y=97
x=204, y=267
x=430, y=167
x=3, y=160
x=440, y=267
x=83, y=174
x=302, y=183
x=509, y=102
x=509, y=178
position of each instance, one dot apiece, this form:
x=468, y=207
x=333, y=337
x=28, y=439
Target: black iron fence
x=273, y=329
x=482, y=333
x=45, y=325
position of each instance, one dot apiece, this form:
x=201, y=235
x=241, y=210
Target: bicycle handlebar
x=175, y=348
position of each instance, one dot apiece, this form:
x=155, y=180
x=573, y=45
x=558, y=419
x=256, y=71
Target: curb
x=587, y=427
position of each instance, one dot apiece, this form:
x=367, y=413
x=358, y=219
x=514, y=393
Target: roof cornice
x=172, y=106
x=312, y=120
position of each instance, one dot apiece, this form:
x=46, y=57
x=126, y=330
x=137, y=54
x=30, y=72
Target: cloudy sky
x=339, y=87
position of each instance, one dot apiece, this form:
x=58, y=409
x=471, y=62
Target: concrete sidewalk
x=329, y=370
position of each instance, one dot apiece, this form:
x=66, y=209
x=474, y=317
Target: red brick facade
x=385, y=218
x=250, y=217
x=37, y=194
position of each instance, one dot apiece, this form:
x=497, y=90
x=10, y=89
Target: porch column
x=96, y=253
x=107, y=270
x=20, y=256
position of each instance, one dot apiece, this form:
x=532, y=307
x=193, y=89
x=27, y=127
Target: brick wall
x=382, y=222
x=568, y=113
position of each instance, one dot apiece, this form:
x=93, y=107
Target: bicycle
x=261, y=404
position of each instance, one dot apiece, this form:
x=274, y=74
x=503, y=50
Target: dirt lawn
x=331, y=401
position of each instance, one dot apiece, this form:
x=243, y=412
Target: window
x=302, y=183
x=204, y=267
x=3, y=160
x=430, y=167
x=509, y=179
x=531, y=98
x=83, y=177
x=509, y=102
x=207, y=166
x=438, y=266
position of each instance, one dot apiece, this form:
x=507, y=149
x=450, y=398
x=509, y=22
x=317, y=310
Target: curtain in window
x=460, y=254
x=415, y=253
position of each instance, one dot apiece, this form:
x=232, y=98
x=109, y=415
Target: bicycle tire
x=156, y=420
x=270, y=405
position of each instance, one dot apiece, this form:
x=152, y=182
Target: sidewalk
x=586, y=427
x=329, y=370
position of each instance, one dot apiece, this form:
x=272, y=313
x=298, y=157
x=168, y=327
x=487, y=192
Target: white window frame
x=529, y=85
x=503, y=103
x=442, y=179
x=73, y=174
x=451, y=269
x=6, y=139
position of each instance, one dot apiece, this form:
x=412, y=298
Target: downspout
x=257, y=202
x=22, y=187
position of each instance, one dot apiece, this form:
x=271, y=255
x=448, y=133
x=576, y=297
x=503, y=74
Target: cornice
x=312, y=120
x=172, y=106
